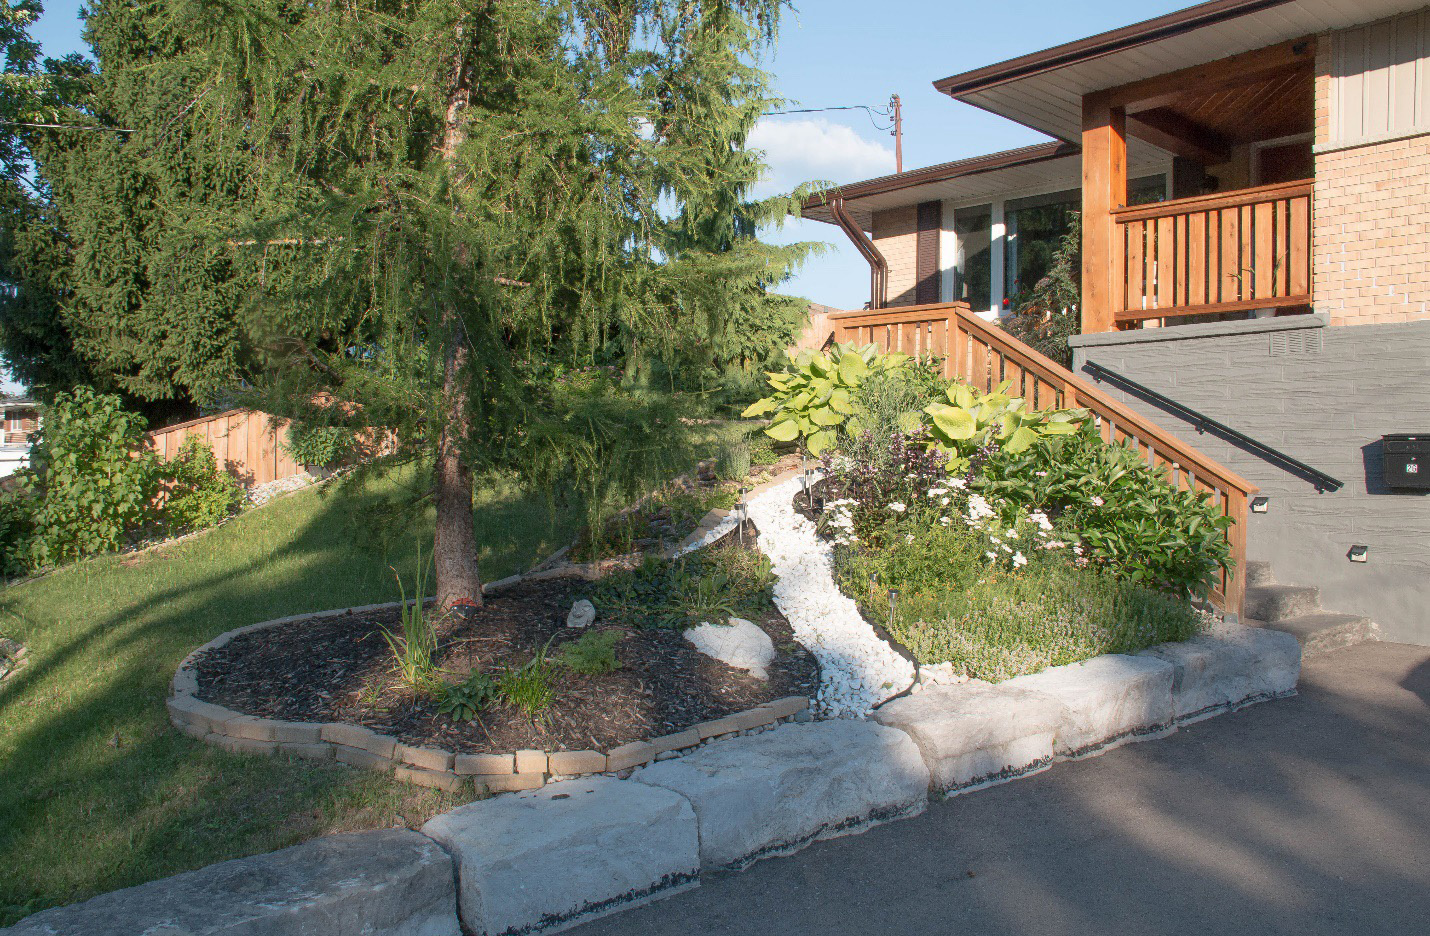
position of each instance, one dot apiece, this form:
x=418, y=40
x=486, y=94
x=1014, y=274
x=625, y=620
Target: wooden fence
x=247, y=444
x=984, y=355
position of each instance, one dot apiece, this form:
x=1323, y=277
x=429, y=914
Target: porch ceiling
x=1044, y=90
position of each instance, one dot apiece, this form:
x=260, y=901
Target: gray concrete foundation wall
x=1321, y=394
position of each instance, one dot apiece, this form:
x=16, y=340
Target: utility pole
x=898, y=132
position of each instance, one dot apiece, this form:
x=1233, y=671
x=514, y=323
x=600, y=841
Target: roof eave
x=1107, y=43
x=1027, y=155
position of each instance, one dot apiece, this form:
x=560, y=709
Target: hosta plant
x=814, y=400
x=971, y=420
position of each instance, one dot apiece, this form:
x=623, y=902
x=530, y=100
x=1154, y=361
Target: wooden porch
x=1243, y=250
x=979, y=353
x=1241, y=126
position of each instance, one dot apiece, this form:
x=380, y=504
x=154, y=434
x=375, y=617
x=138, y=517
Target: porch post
x=1104, y=187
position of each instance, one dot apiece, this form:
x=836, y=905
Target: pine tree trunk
x=454, y=552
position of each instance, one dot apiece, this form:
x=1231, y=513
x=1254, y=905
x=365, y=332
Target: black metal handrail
x=1204, y=423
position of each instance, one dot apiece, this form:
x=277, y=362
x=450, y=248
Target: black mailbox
x=1407, y=460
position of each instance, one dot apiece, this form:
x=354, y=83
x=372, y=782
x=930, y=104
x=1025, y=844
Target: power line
x=873, y=112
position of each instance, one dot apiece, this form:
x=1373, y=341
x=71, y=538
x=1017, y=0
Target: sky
x=844, y=52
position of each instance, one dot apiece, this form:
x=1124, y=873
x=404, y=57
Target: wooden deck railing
x=1249, y=249
x=983, y=355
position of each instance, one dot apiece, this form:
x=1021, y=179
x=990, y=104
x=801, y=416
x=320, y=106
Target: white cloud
x=814, y=148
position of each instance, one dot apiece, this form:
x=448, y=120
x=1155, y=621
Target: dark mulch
x=327, y=670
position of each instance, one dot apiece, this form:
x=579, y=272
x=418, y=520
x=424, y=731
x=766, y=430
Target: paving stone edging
x=434, y=767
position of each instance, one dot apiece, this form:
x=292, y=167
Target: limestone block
x=1106, y=700
x=1228, y=668
x=775, y=792
x=389, y=883
x=976, y=733
x=537, y=862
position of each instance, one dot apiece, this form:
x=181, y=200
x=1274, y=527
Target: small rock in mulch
x=340, y=669
x=583, y=614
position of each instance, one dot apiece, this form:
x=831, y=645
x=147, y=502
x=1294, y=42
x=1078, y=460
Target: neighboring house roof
x=1044, y=90
x=1043, y=165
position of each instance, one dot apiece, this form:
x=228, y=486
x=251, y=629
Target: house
x=21, y=417
x=1253, y=179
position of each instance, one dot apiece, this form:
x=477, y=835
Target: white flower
x=1041, y=519
x=1097, y=501
x=957, y=484
x=943, y=520
x=1012, y=534
x=978, y=508
x=897, y=507
x=1041, y=474
x=1018, y=560
x=908, y=537
x=943, y=502
x=991, y=555
x=1006, y=548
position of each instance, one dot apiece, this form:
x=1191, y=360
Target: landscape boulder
x=546, y=859
x=388, y=883
x=1229, y=667
x=1106, y=700
x=775, y=792
x=583, y=614
x=976, y=733
x=741, y=644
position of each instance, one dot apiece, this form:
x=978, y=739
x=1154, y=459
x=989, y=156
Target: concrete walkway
x=1303, y=816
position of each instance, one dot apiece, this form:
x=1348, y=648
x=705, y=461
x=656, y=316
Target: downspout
x=878, y=266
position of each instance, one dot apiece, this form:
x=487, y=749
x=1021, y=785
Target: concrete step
x=1273, y=603
x=1323, y=631
x=1258, y=572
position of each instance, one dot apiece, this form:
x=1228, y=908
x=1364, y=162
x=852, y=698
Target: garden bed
x=339, y=670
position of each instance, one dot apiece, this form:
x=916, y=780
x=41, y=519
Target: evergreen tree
x=447, y=199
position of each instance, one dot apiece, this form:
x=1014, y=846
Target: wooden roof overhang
x=1204, y=109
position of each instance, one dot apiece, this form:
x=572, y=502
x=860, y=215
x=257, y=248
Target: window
x=1035, y=228
x=973, y=261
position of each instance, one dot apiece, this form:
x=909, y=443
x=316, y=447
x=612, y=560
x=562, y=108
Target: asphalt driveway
x=1303, y=816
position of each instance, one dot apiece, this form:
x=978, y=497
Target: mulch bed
x=326, y=670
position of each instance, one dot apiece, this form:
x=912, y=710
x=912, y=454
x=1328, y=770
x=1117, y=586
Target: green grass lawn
x=98, y=792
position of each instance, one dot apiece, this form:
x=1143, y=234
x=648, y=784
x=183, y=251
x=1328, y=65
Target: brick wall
x=896, y=236
x=1321, y=394
x=1371, y=225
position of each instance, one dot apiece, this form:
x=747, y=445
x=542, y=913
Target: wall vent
x=1296, y=342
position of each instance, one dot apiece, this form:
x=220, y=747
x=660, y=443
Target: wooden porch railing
x=985, y=355
x=1249, y=249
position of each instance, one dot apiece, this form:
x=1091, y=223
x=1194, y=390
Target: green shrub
x=995, y=622
x=713, y=583
x=527, y=688
x=593, y=654
x=889, y=404
x=762, y=450
x=320, y=446
x=96, y=482
x=17, y=531
x=1125, y=514
x=467, y=699
x=814, y=398
x=199, y=494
